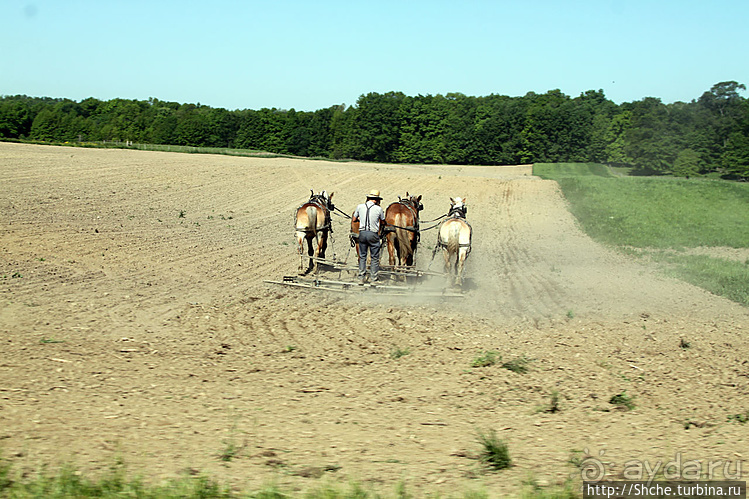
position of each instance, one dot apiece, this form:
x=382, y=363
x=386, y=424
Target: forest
x=707, y=136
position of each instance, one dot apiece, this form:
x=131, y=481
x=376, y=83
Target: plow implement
x=339, y=277
x=380, y=288
x=385, y=270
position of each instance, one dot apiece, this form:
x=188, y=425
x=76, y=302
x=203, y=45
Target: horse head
x=328, y=199
x=323, y=198
x=458, y=207
x=415, y=201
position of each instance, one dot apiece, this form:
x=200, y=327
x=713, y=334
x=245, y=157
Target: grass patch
x=68, y=482
x=656, y=212
x=494, y=452
x=490, y=358
x=722, y=277
x=519, y=365
x=662, y=214
x=50, y=340
x=554, y=171
x=741, y=418
x=623, y=401
x=397, y=353
x=486, y=359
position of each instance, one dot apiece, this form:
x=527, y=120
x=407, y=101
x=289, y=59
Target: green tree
x=547, y=134
x=723, y=97
x=376, y=126
x=422, y=129
x=341, y=130
x=648, y=142
x=15, y=119
x=735, y=157
x=47, y=125
x=687, y=163
x=615, y=138
x=460, y=142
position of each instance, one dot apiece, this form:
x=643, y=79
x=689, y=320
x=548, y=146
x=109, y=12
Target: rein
x=438, y=218
x=345, y=215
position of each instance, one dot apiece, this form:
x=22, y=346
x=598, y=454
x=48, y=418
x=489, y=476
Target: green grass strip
x=722, y=277
x=661, y=214
x=554, y=171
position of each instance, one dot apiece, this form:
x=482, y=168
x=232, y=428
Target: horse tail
x=311, y=217
x=404, y=241
x=453, y=238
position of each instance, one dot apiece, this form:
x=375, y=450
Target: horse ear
x=407, y=194
x=418, y=198
x=312, y=192
x=331, y=195
x=452, y=200
x=464, y=200
x=399, y=198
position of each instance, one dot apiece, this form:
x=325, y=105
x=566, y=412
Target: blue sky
x=313, y=54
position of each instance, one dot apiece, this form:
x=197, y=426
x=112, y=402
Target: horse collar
x=457, y=213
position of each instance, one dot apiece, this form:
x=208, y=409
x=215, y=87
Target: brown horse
x=454, y=238
x=402, y=219
x=312, y=221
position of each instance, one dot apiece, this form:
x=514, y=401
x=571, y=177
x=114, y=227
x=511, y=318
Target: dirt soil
x=136, y=323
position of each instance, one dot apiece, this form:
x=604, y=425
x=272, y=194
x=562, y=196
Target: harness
x=325, y=206
x=411, y=228
x=456, y=214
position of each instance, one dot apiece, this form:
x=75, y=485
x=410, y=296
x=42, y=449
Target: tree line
x=709, y=135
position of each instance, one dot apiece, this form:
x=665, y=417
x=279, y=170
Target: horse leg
x=300, y=236
x=310, y=253
x=391, y=239
x=412, y=253
x=448, y=265
x=323, y=244
x=462, y=253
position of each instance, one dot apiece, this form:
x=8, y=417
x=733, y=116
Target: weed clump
x=397, y=353
x=623, y=401
x=486, y=359
x=519, y=365
x=494, y=452
x=490, y=358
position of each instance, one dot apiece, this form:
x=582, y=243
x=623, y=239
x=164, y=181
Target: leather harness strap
x=319, y=202
x=455, y=216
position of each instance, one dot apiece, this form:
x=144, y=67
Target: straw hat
x=374, y=194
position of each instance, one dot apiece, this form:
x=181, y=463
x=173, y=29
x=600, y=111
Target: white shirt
x=369, y=215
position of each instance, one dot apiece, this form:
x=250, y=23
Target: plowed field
x=135, y=322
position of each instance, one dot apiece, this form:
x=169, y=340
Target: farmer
x=371, y=218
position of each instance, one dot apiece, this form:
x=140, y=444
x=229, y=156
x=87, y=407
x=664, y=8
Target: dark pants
x=369, y=240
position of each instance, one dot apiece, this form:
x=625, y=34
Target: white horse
x=455, y=240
